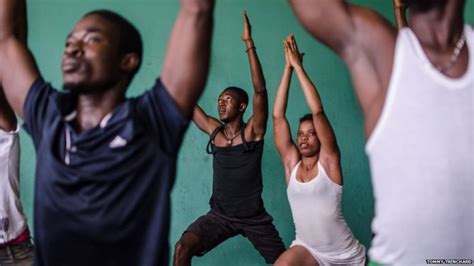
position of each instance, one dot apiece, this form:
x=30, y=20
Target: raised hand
x=399, y=8
x=399, y=3
x=287, y=51
x=247, y=34
x=294, y=57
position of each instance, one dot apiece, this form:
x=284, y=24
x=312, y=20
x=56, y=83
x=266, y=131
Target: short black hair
x=423, y=5
x=130, y=40
x=306, y=117
x=240, y=94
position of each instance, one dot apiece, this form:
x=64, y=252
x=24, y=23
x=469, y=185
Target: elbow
x=14, y=29
x=307, y=16
x=278, y=117
x=318, y=112
x=259, y=85
x=318, y=115
x=259, y=88
x=197, y=7
x=292, y=3
x=5, y=36
x=260, y=91
x=8, y=35
x=296, y=5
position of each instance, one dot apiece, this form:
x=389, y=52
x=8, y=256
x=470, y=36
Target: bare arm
x=186, y=62
x=17, y=67
x=400, y=8
x=204, y=122
x=260, y=98
x=321, y=123
x=329, y=152
x=342, y=26
x=330, y=21
x=7, y=116
x=281, y=129
x=355, y=34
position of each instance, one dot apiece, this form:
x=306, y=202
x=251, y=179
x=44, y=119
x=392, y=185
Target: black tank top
x=237, y=183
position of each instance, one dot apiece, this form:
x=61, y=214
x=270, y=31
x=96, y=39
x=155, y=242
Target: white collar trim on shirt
x=102, y=123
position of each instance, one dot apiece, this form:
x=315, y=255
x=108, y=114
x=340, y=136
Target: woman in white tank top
x=314, y=178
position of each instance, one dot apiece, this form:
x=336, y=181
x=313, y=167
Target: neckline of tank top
x=318, y=177
x=8, y=134
x=236, y=146
x=451, y=83
x=314, y=179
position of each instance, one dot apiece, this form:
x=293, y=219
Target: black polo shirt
x=102, y=196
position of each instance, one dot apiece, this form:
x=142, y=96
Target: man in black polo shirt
x=105, y=164
x=237, y=148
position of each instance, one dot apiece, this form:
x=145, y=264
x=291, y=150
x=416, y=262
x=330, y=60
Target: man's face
x=91, y=58
x=306, y=139
x=228, y=107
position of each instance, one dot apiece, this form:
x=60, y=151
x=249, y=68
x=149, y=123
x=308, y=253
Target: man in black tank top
x=237, y=147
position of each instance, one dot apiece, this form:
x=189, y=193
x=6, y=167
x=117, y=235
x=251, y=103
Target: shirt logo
x=118, y=142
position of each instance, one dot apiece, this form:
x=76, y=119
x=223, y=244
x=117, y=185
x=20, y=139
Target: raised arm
x=17, y=66
x=355, y=34
x=400, y=8
x=203, y=121
x=281, y=129
x=260, y=98
x=186, y=62
x=7, y=116
x=321, y=123
x=330, y=21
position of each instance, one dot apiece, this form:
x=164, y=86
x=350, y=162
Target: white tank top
x=316, y=210
x=12, y=220
x=421, y=156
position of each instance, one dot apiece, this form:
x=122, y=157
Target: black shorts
x=214, y=228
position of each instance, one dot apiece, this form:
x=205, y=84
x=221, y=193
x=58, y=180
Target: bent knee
x=182, y=249
x=187, y=246
x=283, y=261
x=182, y=255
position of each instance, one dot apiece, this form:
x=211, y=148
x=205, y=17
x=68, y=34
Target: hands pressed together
x=293, y=57
x=399, y=3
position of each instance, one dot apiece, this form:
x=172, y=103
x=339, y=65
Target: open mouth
x=221, y=110
x=71, y=65
x=304, y=145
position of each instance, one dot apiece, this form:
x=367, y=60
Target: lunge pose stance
x=314, y=178
x=15, y=243
x=105, y=164
x=416, y=90
x=237, y=147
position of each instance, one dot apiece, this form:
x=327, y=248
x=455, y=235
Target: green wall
x=51, y=20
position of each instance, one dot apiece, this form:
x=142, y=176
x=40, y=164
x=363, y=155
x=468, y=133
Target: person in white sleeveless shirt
x=314, y=178
x=15, y=244
x=416, y=90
